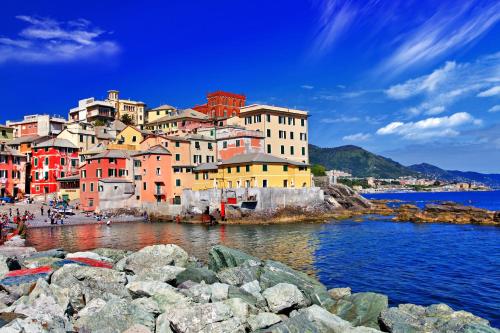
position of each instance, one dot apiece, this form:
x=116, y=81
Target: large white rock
x=284, y=296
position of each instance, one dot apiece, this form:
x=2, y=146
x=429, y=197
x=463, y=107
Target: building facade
x=153, y=175
x=285, y=130
x=134, y=109
x=52, y=159
x=36, y=124
x=12, y=172
x=221, y=104
x=161, y=111
x=91, y=110
x=6, y=133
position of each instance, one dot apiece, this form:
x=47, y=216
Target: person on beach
x=10, y=212
x=48, y=211
x=41, y=210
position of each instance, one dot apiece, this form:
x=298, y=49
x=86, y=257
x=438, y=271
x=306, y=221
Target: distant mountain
x=434, y=172
x=358, y=162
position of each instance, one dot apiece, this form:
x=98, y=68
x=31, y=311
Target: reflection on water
x=411, y=263
x=293, y=245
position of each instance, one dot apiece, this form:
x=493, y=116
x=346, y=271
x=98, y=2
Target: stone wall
x=161, y=209
x=267, y=198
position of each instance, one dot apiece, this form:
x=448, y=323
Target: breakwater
x=161, y=288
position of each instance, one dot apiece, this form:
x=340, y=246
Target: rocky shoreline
x=161, y=288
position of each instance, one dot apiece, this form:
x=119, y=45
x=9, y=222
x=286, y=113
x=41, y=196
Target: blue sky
x=417, y=81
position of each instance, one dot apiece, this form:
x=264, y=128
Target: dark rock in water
x=361, y=309
x=196, y=275
x=221, y=257
x=275, y=272
x=439, y=318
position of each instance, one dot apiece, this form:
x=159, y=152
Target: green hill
x=357, y=161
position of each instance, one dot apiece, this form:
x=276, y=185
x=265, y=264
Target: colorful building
x=12, y=172
x=102, y=171
x=252, y=170
x=92, y=110
x=6, y=133
x=133, y=109
x=52, y=159
x=285, y=130
x=153, y=174
x=129, y=138
x=221, y=104
x=69, y=188
x=80, y=134
x=37, y=124
x=179, y=122
x=161, y=111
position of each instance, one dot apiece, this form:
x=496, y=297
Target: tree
x=318, y=170
x=99, y=122
x=127, y=119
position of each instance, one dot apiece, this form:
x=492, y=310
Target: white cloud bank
x=430, y=128
x=45, y=40
x=494, y=91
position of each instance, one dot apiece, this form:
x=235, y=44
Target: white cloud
x=446, y=30
x=307, y=86
x=341, y=119
x=493, y=91
x=448, y=84
x=431, y=127
x=46, y=40
x=495, y=108
x=357, y=137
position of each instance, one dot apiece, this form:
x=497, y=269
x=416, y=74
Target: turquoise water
x=411, y=263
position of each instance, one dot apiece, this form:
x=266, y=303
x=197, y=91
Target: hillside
x=357, y=161
x=431, y=171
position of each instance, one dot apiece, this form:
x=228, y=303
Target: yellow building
x=285, y=130
x=129, y=138
x=154, y=114
x=252, y=170
x=134, y=109
x=6, y=133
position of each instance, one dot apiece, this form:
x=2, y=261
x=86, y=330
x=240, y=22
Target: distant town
x=115, y=153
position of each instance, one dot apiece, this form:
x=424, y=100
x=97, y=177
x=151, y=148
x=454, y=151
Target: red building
x=110, y=164
x=12, y=172
x=221, y=104
x=52, y=159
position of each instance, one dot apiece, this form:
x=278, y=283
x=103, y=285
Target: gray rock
x=361, y=309
x=4, y=268
x=155, y=255
x=92, y=307
x=137, y=328
x=162, y=293
x=221, y=257
x=232, y=325
x=40, y=261
x=163, y=324
x=275, y=272
x=235, y=292
x=86, y=283
x=435, y=318
x=263, y=320
x=88, y=255
x=196, y=274
x=338, y=293
x=148, y=304
x=195, y=318
x=239, y=275
x=219, y=291
x=40, y=324
x=54, y=253
x=284, y=297
x=114, y=254
x=200, y=292
x=16, y=251
x=254, y=289
x=163, y=274
x=240, y=308
x=116, y=316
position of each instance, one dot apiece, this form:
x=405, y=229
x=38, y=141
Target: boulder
x=263, y=320
x=196, y=317
x=86, y=283
x=219, y=291
x=248, y=271
x=155, y=255
x=148, y=304
x=162, y=293
x=88, y=255
x=284, y=297
x=114, y=254
x=35, y=262
x=240, y=308
x=4, y=268
x=235, y=292
x=18, y=252
x=137, y=328
x=163, y=273
x=54, y=253
x=92, y=307
x=163, y=324
x=275, y=272
x=221, y=257
x=361, y=309
x=232, y=325
x=116, y=316
x=196, y=274
x=200, y=292
x=338, y=293
x=435, y=318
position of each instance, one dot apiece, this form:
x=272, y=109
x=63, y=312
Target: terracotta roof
x=155, y=150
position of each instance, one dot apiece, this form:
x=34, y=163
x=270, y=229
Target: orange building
x=153, y=169
x=221, y=104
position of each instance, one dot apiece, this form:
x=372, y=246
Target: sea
x=411, y=263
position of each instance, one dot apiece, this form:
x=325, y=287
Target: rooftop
x=259, y=158
x=112, y=153
x=56, y=142
x=272, y=108
x=155, y=150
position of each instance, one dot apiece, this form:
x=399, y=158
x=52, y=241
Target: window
x=81, y=138
x=137, y=163
x=285, y=168
x=229, y=170
x=264, y=167
x=63, y=161
x=100, y=188
x=237, y=143
x=84, y=174
x=93, y=139
x=74, y=163
x=247, y=168
x=281, y=119
x=268, y=133
x=91, y=187
x=292, y=150
x=264, y=183
x=46, y=175
x=291, y=135
x=282, y=150
x=237, y=169
x=158, y=172
x=134, y=139
x=269, y=149
x=83, y=187
x=177, y=182
x=205, y=175
x=144, y=186
x=197, y=145
x=111, y=172
x=177, y=157
x=36, y=162
x=285, y=183
x=224, y=144
x=46, y=162
x=196, y=176
x=112, y=160
x=302, y=122
x=282, y=134
x=177, y=144
x=303, y=151
x=158, y=158
x=98, y=173
x=210, y=146
x=268, y=118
